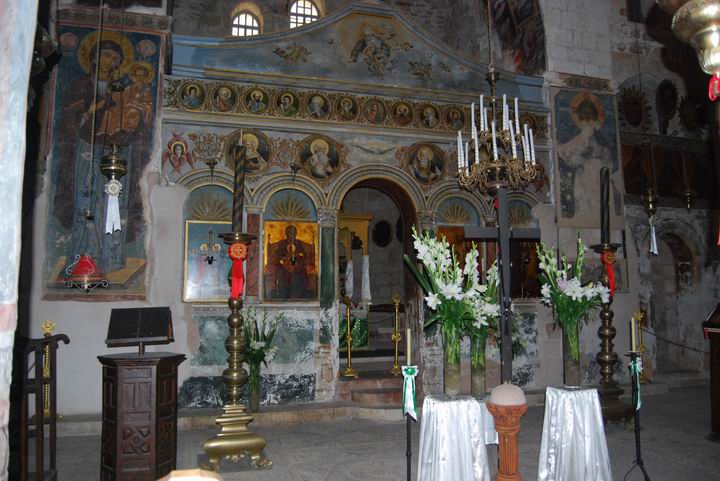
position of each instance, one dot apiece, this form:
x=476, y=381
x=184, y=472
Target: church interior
x=215, y=218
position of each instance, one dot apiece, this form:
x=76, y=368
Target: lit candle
x=408, y=348
x=517, y=116
x=494, y=139
x=632, y=334
x=532, y=147
x=472, y=116
x=461, y=161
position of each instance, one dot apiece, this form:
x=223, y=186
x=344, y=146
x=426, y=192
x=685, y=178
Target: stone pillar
x=17, y=38
x=328, y=226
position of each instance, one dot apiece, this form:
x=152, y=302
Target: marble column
x=328, y=227
x=17, y=38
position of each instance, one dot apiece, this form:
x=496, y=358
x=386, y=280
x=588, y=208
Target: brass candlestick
x=47, y=328
x=235, y=440
x=396, y=337
x=646, y=372
x=349, y=371
x=613, y=409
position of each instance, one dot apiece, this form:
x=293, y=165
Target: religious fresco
x=287, y=103
x=678, y=164
x=224, y=98
x=291, y=261
x=519, y=27
x=213, y=330
x=85, y=121
x=256, y=150
x=321, y=157
x=586, y=139
x=424, y=161
x=332, y=106
x=192, y=95
x=375, y=45
x=291, y=247
x=177, y=158
x=206, y=264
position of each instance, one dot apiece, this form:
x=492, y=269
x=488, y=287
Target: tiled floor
x=675, y=447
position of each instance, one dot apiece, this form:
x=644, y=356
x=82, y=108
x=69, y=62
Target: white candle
x=517, y=116
x=472, y=115
x=532, y=148
x=482, y=109
x=504, y=112
x=485, y=120
x=467, y=153
x=632, y=334
x=512, y=141
x=494, y=141
x=477, y=148
x=408, y=348
x=474, y=134
x=527, y=143
x=526, y=156
x=461, y=161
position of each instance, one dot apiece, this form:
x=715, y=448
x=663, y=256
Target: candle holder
x=396, y=337
x=349, y=371
x=613, y=409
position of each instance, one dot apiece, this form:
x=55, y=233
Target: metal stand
x=408, y=452
x=349, y=371
x=396, y=337
x=634, y=380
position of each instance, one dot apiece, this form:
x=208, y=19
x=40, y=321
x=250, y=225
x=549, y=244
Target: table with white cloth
x=453, y=435
x=573, y=445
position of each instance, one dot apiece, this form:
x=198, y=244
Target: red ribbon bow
x=608, y=259
x=714, y=87
x=238, y=253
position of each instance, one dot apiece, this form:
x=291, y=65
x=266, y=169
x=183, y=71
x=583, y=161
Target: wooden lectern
x=711, y=326
x=139, y=430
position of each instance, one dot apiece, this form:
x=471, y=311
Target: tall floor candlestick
x=234, y=440
x=604, y=205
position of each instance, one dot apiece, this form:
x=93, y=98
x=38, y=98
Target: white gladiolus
x=432, y=301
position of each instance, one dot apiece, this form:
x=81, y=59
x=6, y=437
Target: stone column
x=328, y=226
x=17, y=38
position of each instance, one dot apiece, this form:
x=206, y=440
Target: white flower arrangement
x=563, y=290
x=461, y=303
x=259, y=335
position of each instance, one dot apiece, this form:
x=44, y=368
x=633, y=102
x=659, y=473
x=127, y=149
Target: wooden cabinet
x=139, y=431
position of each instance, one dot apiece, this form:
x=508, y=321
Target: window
x=245, y=24
x=303, y=12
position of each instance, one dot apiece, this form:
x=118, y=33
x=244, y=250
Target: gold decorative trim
x=361, y=112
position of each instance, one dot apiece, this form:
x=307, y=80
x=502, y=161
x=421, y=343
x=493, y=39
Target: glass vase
x=452, y=378
x=572, y=374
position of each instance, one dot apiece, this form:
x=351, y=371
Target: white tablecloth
x=453, y=434
x=573, y=445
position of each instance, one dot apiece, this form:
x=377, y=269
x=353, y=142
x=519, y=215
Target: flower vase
x=477, y=381
x=572, y=375
x=477, y=366
x=254, y=403
x=452, y=378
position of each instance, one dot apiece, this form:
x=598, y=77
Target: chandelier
x=510, y=150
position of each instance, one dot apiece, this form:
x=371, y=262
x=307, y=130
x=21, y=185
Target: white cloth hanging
x=366, y=297
x=653, y=239
x=573, y=445
x=349, y=280
x=112, y=217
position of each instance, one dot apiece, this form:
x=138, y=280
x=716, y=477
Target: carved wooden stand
x=507, y=425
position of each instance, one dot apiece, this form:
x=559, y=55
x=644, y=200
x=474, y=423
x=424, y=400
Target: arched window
x=303, y=12
x=245, y=24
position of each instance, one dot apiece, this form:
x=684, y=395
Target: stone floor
x=675, y=446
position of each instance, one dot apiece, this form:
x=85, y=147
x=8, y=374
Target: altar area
x=675, y=447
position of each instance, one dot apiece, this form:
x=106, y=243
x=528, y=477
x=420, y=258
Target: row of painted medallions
x=320, y=157
x=231, y=98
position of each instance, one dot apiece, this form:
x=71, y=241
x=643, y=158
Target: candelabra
x=501, y=168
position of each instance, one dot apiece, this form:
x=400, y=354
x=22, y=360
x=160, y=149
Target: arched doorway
x=389, y=214
x=671, y=276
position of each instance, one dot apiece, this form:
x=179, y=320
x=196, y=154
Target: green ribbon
x=409, y=406
x=635, y=369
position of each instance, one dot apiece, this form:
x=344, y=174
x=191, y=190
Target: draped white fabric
x=573, y=445
x=112, y=217
x=349, y=284
x=453, y=434
x=366, y=298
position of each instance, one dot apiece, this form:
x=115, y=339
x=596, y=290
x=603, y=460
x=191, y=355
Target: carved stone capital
x=426, y=220
x=327, y=217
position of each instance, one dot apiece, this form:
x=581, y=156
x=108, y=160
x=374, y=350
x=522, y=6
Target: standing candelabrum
x=235, y=440
x=349, y=371
x=607, y=358
x=509, y=162
x=396, y=337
